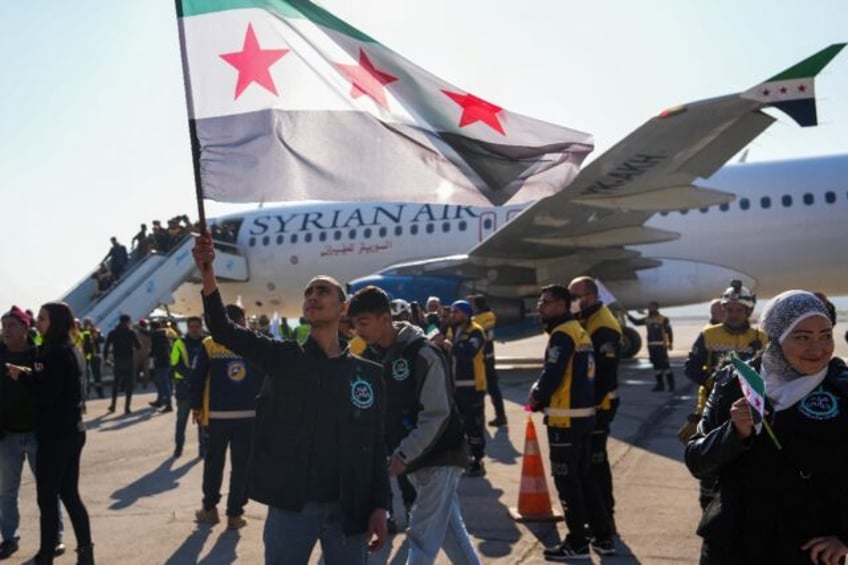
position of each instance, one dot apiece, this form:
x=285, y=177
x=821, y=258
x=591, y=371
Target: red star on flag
x=802, y=88
x=253, y=63
x=367, y=80
x=476, y=110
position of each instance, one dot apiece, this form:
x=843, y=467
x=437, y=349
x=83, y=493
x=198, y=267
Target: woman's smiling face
x=809, y=346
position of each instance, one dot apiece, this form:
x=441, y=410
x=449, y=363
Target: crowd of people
x=402, y=391
x=160, y=239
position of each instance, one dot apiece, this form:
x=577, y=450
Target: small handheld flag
x=754, y=389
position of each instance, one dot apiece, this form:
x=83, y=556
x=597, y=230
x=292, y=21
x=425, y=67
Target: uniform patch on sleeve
x=553, y=355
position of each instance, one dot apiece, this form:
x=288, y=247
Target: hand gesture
x=743, y=420
x=827, y=549
x=15, y=371
x=378, y=530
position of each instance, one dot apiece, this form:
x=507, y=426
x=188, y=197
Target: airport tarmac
x=142, y=501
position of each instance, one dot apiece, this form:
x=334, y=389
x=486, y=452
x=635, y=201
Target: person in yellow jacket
x=466, y=342
x=184, y=353
x=565, y=392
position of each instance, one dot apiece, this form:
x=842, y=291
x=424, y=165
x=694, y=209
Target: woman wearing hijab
x=782, y=498
x=55, y=379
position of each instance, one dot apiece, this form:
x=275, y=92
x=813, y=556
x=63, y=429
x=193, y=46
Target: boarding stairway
x=150, y=282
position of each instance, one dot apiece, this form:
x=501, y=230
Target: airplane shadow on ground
x=161, y=479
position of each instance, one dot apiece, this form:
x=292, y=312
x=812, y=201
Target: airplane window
x=293, y=238
x=487, y=223
x=280, y=239
x=307, y=237
x=322, y=236
x=786, y=200
x=765, y=202
x=251, y=242
x=446, y=227
x=744, y=203
x=664, y=213
x=351, y=234
x=684, y=212
x=413, y=229
x=703, y=210
x=337, y=235
x=463, y=225
x=266, y=240
x=724, y=207
x=398, y=230
x=383, y=231
x=430, y=228
x=830, y=197
x=808, y=199
x=366, y=233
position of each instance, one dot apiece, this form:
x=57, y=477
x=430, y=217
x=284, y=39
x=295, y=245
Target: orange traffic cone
x=534, y=503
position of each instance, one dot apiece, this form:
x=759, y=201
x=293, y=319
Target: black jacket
x=773, y=501
x=56, y=382
x=303, y=386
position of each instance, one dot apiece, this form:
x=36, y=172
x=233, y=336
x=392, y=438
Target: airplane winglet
x=792, y=91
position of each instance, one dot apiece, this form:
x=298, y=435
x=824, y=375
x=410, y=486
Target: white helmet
x=738, y=293
x=399, y=306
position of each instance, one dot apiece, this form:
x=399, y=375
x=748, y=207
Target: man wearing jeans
x=424, y=431
x=319, y=455
x=17, y=428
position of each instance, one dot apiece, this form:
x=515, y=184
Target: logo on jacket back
x=361, y=394
x=236, y=371
x=400, y=369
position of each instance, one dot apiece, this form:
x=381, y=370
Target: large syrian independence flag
x=288, y=102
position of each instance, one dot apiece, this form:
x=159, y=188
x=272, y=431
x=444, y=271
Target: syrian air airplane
x=654, y=218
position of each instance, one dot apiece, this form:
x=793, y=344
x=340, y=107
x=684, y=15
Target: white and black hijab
x=784, y=385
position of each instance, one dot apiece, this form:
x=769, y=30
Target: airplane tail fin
x=792, y=91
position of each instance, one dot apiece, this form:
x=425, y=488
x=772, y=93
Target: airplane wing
x=585, y=228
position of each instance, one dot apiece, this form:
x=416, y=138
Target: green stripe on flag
x=280, y=8
x=752, y=377
x=811, y=66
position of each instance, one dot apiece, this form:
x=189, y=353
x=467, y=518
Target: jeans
x=436, y=519
x=14, y=448
x=183, y=413
x=162, y=376
x=57, y=477
x=236, y=434
x=290, y=536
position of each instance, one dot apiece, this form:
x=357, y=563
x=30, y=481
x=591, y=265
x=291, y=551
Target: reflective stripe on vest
x=570, y=412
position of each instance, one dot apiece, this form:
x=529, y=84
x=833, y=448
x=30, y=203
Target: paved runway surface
x=142, y=501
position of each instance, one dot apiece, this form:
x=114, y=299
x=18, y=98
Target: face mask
x=575, y=306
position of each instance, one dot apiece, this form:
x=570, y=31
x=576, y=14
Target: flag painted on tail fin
x=793, y=90
x=288, y=102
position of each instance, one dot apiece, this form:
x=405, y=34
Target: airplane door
x=488, y=224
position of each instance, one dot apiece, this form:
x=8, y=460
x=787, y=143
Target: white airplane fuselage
x=785, y=229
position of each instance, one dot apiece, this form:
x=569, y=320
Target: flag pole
x=192, y=128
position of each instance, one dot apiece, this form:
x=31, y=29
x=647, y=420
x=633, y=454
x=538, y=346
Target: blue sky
x=93, y=122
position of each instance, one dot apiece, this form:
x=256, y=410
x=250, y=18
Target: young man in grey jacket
x=424, y=434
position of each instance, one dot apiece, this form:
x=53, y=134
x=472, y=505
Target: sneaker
x=204, y=516
x=7, y=548
x=603, y=546
x=475, y=469
x=498, y=422
x=110, y=409
x=155, y=404
x=566, y=552
x=59, y=549
x=235, y=522
x=167, y=409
